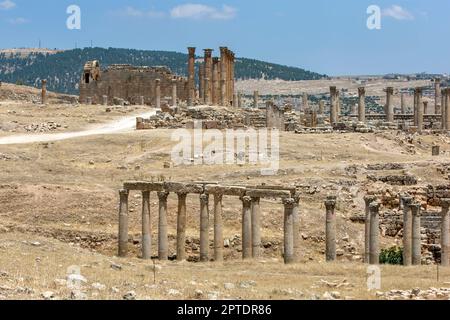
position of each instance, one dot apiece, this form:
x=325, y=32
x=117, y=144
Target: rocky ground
x=59, y=202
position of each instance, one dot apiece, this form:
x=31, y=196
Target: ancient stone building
x=134, y=84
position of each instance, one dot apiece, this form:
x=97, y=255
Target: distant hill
x=62, y=69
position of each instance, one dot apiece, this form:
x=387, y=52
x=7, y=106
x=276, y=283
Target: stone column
x=368, y=200
x=163, y=246
x=223, y=76
x=207, y=92
x=445, y=236
x=402, y=103
x=208, y=76
x=174, y=92
x=296, y=226
x=305, y=101
x=443, y=110
x=218, y=229
x=89, y=101
x=374, y=208
x=201, y=85
x=333, y=106
x=255, y=99
x=181, y=226
x=437, y=93
x=389, y=105
x=289, y=204
x=338, y=104
x=232, y=61
x=204, y=228
x=256, y=227
x=246, y=227
x=362, y=104
x=447, y=108
x=105, y=100
x=215, y=82
x=239, y=99
x=416, y=247
x=44, y=91
x=407, y=231
x=191, y=76
x=321, y=107
x=419, y=109
x=123, y=223
x=330, y=228
x=146, y=226
x=415, y=108
x=158, y=93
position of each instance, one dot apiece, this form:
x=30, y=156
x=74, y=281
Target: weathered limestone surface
x=374, y=208
x=246, y=227
x=181, y=226
x=368, y=200
x=289, y=204
x=123, y=223
x=204, y=228
x=163, y=246
x=146, y=226
x=416, y=247
x=407, y=231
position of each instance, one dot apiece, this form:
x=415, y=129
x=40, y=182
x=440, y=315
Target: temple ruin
x=123, y=83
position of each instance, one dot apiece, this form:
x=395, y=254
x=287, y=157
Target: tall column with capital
x=437, y=95
x=208, y=75
x=146, y=226
x=447, y=108
x=201, y=83
x=407, y=230
x=246, y=227
x=362, y=104
x=402, y=103
x=416, y=247
x=163, y=245
x=374, y=208
x=215, y=98
x=181, y=226
x=256, y=227
x=123, y=223
x=191, y=76
x=218, y=228
x=419, y=108
x=232, y=93
x=445, y=233
x=44, y=91
x=223, y=76
x=333, y=105
x=289, y=204
x=330, y=228
x=204, y=227
x=174, y=92
x=368, y=200
x=389, y=105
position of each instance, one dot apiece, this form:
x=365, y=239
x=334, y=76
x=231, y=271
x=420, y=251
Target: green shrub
x=393, y=255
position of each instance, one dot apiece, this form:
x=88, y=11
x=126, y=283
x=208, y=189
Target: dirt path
x=120, y=125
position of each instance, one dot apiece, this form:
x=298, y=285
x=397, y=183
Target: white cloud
x=137, y=13
x=7, y=4
x=201, y=11
x=18, y=21
x=398, y=13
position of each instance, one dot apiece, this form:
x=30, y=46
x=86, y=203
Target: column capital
x=407, y=200
x=181, y=194
x=246, y=200
x=368, y=199
x=330, y=202
x=191, y=51
x=204, y=199
x=288, y=203
x=157, y=81
x=390, y=90
x=418, y=90
x=415, y=208
x=362, y=90
x=208, y=52
x=162, y=196
x=218, y=196
x=375, y=207
x=123, y=192
x=333, y=90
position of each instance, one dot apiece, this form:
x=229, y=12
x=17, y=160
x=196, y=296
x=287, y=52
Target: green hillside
x=63, y=70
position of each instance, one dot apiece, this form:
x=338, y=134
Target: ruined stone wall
x=130, y=84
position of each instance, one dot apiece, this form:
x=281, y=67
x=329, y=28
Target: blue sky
x=325, y=36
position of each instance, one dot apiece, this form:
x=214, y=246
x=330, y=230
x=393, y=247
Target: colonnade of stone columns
x=251, y=218
x=411, y=239
x=216, y=78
